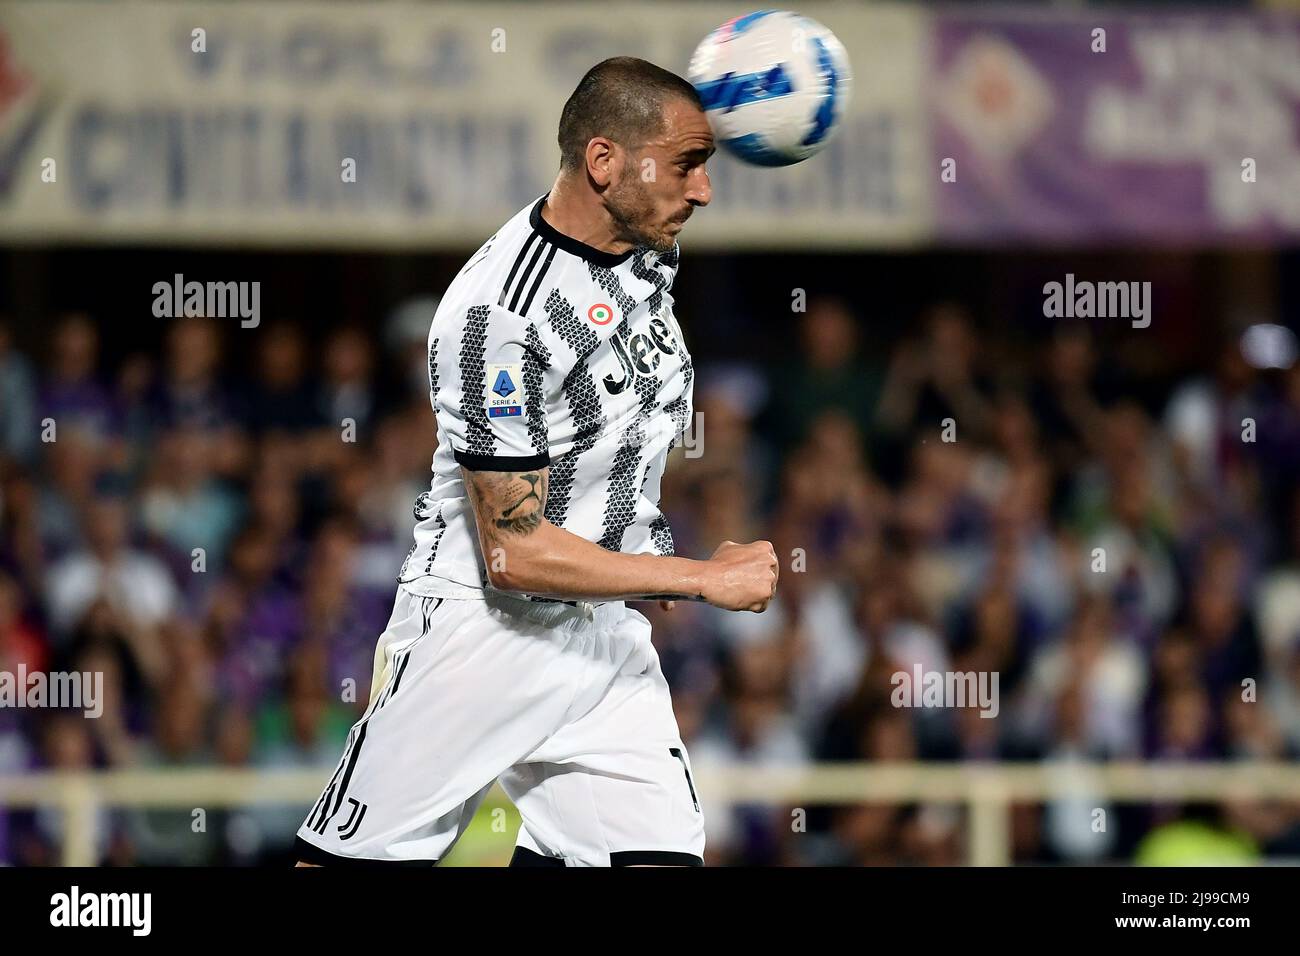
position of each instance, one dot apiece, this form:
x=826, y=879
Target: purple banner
x=1172, y=128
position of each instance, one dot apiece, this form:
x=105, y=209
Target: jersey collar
x=569, y=244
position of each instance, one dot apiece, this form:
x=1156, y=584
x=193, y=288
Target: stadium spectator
x=1124, y=563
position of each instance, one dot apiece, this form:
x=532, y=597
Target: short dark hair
x=621, y=98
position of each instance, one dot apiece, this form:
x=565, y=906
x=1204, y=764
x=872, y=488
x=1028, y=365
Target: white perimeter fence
x=987, y=790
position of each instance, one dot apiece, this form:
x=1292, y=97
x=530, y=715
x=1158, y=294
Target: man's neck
x=578, y=213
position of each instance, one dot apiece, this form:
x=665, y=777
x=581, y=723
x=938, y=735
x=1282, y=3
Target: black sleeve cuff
x=499, y=462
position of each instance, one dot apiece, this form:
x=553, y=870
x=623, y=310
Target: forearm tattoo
x=515, y=502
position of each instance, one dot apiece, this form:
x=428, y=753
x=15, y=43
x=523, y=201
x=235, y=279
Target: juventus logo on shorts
x=677, y=752
x=348, y=829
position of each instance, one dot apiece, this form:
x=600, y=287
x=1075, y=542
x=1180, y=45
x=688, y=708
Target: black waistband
x=546, y=600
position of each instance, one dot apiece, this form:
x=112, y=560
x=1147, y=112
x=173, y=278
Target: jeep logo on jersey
x=641, y=353
x=505, y=399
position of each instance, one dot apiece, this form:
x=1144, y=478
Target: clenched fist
x=741, y=577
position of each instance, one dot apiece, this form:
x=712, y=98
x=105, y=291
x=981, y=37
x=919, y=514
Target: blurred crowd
x=220, y=539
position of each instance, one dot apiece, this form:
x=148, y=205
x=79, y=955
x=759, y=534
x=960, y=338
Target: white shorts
x=565, y=705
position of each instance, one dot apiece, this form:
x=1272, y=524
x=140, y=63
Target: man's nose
x=700, y=190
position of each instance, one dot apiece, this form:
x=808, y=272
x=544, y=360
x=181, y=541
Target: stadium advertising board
x=417, y=125
x=1174, y=127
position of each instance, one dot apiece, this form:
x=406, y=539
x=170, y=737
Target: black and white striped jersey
x=547, y=351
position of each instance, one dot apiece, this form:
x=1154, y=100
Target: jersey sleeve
x=490, y=390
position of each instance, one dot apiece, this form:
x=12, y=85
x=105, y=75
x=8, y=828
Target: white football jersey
x=547, y=351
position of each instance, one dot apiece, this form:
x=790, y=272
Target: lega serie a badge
x=505, y=394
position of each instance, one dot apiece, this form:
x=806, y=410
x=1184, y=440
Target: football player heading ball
x=560, y=381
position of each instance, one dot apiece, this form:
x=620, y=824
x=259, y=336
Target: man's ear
x=602, y=160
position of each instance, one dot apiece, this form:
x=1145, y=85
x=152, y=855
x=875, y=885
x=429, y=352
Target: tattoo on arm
x=525, y=513
x=513, y=502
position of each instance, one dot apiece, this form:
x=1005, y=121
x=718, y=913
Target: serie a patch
x=505, y=393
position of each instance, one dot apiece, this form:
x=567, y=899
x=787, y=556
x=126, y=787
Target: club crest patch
x=505, y=391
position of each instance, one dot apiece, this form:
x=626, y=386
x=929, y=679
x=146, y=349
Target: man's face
x=663, y=181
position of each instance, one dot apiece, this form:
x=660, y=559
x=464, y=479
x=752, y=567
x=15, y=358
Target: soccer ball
x=774, y=85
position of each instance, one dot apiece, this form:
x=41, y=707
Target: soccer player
x=560, y=382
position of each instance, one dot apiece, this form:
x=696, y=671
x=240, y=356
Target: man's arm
x=525, y=552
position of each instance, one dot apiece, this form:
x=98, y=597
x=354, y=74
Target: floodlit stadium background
x=881, y=395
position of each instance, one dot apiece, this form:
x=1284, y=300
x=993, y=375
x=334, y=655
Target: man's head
x=638, y=136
